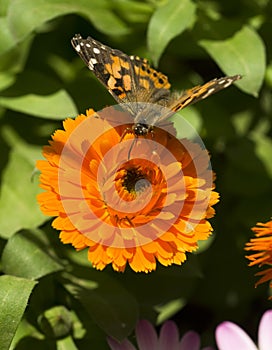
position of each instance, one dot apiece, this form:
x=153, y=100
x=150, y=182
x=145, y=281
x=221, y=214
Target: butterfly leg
x=126, y=131
x=131, y=146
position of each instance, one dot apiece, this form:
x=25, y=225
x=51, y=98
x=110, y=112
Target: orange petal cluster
x=126, y=200
x=262, y=245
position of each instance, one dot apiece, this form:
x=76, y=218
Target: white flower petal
x=265, y=331
x=229, y=336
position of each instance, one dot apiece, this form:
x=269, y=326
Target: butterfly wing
x=188, y=97
x=197, y=93
x=131, y=79
x=127, y=78
x=200, y=92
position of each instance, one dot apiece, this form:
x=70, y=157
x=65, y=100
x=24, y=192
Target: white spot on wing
x=92, y=62
x=221, y=82
x=209, y=92
x=228, y=83
x=78, y=48
x=96, y=50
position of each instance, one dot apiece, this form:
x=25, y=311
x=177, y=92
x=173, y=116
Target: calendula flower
x=262, y=244
x=147, y=339
x=127, y=199
x=229, y=336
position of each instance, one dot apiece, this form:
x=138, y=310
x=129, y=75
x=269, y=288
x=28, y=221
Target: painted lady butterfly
x=131, y=79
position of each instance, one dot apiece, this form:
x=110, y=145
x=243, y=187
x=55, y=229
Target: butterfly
x=131, y=79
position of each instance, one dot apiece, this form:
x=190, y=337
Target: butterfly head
x=141, y=129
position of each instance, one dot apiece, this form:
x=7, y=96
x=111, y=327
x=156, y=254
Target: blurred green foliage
x=42, y=82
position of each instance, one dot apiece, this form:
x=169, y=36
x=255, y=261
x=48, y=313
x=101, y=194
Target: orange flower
x=262, y=244
x=129, y=200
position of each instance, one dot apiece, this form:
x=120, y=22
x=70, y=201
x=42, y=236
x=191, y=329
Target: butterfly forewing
x=201, y=92
x=197, y=93
x=128, y=78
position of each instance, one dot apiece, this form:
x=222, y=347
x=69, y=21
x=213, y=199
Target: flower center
x=135, y=181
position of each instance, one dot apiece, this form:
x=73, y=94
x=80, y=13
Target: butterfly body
x=131, y=80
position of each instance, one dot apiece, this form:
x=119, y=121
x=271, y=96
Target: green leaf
x=24, y=330
x=58, y=105
x=38, y=12
x=187, y=123
x=14, y=295
x=6, y=39
x=242, y=121
x=6, y=80
x=241, y=53
x=66, y=344
x=107, y=302
x=169, y=309
x=247, y=171
x=102, y=16
x=263, y=151
x=132, y=11
x=12, y=54
x=26, y=256
x=18, y=204
x=3, y=7
x=167, y=22
x=179, y=282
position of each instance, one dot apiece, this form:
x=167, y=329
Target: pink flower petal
x=124, y=345
x=146, y=336
x=229, y=336
x=265, y=331
x=190, y=341
x=169, y=336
